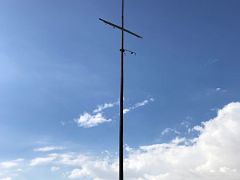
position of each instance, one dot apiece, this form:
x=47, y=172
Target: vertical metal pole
x=121, y=102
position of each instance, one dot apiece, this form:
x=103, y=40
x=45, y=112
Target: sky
x=59, y=90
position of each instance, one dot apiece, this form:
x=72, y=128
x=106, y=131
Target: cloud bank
x=212, y=155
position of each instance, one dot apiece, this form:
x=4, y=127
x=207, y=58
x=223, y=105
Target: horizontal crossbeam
x=116, y=26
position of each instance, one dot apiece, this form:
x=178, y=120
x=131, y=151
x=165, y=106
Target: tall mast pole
x=121, y=175
x=121, y=101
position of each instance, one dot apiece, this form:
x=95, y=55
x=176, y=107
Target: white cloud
x=76, y=173
x=48, y=148
x=10, y=164
x=87, y=120
x=6, y=178
x=42, y=160
x=197, y=128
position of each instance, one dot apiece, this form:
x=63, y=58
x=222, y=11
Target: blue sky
x=59, y=63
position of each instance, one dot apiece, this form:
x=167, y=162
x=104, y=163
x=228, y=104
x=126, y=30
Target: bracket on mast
x=129, y=51
x=118, y=27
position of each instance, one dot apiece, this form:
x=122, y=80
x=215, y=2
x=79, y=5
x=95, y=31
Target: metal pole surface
x=121, y=101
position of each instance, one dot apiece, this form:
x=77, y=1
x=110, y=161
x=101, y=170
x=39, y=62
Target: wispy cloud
x=42, y=160
x=49, y=148
x=169, y=130
x=137, y=105
x=215, y=91
x=102, y=107
x=214, y=109
x=221, y=90
x=212, y=61
x=87, y=120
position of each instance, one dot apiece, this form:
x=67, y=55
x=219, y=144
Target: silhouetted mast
x=121, y=86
